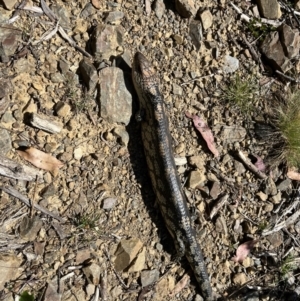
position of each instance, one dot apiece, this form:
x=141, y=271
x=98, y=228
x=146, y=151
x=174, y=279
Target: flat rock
x=149, y=276
x=239, y=167
x=272, y=49
x=138, y=264
x=107, y=41
x=269, y=9
x=92, y=273
x=186, y=8
x=284, y=185
x=215, y=190
x=196, y=33
x=290, y=40
x=62, y=109
x=5, y=142
x=115, y=99
x=159, y=8
x=114, y=17
x=127, y=250
x=196, y=178
x=9, y=39
x=232, y=134
x=63, y=15
x=275, y=239
x=230, y=64
x=87, y=11
x=109, y=203
x=206, y=19
x=29, y=228
x=9, y=4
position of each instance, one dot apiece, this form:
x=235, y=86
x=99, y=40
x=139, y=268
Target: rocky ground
x=78, y=216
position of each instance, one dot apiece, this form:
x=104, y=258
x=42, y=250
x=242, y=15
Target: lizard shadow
x=139, y=165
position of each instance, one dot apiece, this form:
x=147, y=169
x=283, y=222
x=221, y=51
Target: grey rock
x=63, y=66
x=275, y=239
x=114, y=17
x=215, y=190
x=23, y=65
x=62, y=14
x=5, y=90
x=186, y=8
x=239, y=167
x=5, y=142
x=109, y=203
x=87, y=11
x=269, y=9
x=177, y=90
x=231, y=64
x=29, y=228
x=48, y=191
x=226, y=159
x=284, y=185
x=232, y=134
x=57, y=78
x=115, y=99
x=148, y=277
x=196, y=33
x=290, y=40
x=88, y=73
x=9, y=39
x=272, y=48
x=159, y=8
x=7, y=117
x=107, y=41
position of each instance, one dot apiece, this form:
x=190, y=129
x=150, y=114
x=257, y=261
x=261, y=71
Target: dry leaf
x=180, y=285
x=293, y=174
x=243, y=250
x=205, y=132
x=41, y=160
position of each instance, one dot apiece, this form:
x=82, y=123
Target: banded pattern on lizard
x=163, y=173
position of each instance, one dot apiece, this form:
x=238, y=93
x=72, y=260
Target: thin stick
x=251, y=166
x=287, y=77
x=253, y=52
x=10, y=190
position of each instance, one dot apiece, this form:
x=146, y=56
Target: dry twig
x=251, y=166
x=10, y=190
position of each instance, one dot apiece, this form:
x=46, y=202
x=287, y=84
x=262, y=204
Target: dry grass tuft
x=288, y=121
x=241, y=92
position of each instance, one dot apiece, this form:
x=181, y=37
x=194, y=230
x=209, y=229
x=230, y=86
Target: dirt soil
x=102, y=193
